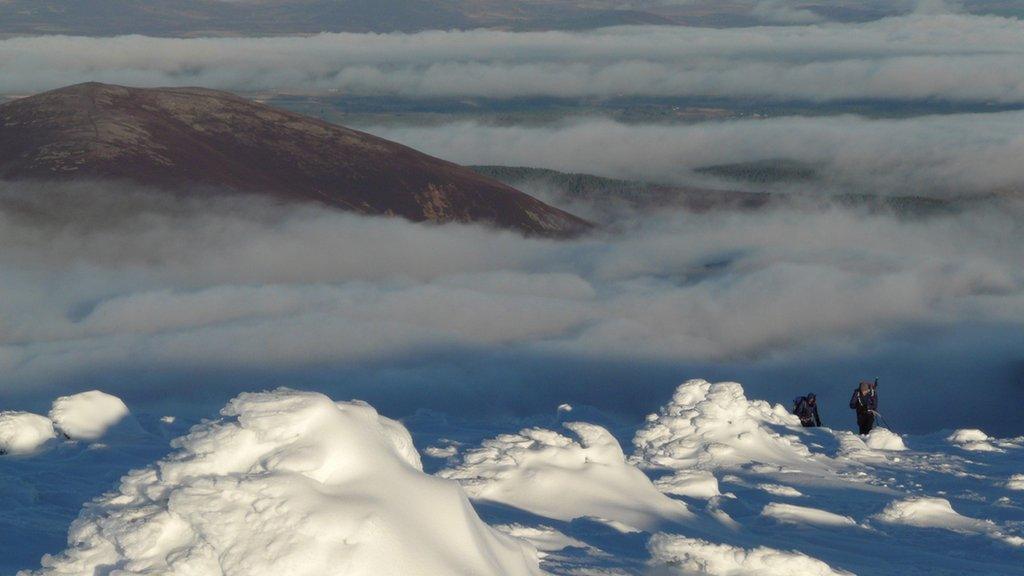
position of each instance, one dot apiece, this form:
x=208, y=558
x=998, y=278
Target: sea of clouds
x=235, y=286
x=949, y=57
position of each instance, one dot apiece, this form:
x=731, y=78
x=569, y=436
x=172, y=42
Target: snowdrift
x=23, y=432
x=708, y=426
x=924, y=512
x=552, y=475
x=289, y=484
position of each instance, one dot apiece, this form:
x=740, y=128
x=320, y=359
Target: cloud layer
x=227, y=288
x=953, y=155
x=919, y=56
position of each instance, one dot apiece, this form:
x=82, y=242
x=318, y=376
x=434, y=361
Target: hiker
x=806, y=408
x=865, y=402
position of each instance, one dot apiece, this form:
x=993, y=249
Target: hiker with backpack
x=806, y=409
x=865, y=402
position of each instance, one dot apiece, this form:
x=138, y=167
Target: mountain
x=604, y=200
x=206, y=141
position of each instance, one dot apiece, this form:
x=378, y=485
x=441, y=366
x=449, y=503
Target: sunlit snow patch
x=694, y=556
x=289, y=483
x=87, y=416
x=552, y=475
x=790, y=514
x=23, y=432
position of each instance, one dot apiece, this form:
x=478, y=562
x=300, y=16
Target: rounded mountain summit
x=205, y=141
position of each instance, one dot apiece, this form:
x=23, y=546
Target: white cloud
x=950, y=155
x=225, y=288
x=919, y=56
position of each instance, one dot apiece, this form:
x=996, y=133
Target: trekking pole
x=884, y=422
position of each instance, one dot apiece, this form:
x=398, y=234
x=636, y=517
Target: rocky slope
x=209, y=142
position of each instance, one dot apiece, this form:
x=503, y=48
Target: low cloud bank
x=918, y=56
x=227, y=287
x=954, y=155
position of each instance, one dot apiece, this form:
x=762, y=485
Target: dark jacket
x=807, y=412
x=864, y=403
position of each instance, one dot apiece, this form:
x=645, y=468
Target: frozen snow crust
x=289, y=483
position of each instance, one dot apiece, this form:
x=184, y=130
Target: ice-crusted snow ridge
x=293, y=483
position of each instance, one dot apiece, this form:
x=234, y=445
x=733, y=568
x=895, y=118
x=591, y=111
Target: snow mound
x=1016, y=482
x=790, y=514
x=552, y=475
x=884, y=439
x=707, y=426
x=87, y=416
x=926, y=512
x=694, y=556
x=289, y=483
x=692, y=483
x=972, y=439
x=23, y=432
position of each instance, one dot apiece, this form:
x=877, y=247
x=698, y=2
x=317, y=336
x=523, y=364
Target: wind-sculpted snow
x=292, y=484
x=938, y=513
x=288, y=483
x=973, y=440
x=552, y=475
x=930, y=513
x=88, y=415
x=791, y=514
x=23, y=432
x=693, y=556
x=707, y=426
